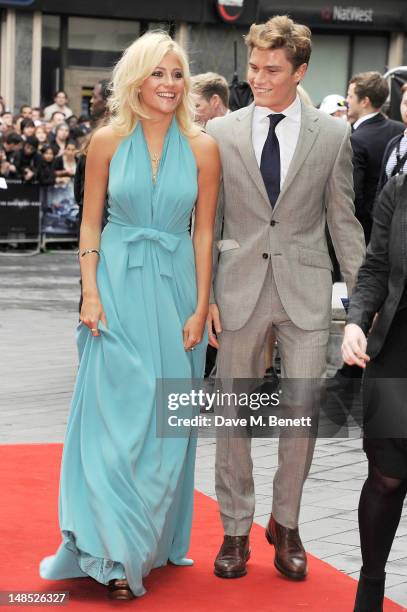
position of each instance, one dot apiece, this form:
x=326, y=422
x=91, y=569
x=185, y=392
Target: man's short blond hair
x=208, y=84
x=281, y=32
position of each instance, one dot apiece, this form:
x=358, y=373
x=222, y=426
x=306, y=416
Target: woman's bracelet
x=87, y=251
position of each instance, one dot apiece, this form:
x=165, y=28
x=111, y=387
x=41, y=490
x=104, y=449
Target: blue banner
x=60, y=211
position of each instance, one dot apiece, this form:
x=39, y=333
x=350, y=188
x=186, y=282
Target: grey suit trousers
x=241, y=355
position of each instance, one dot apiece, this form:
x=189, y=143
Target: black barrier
x=30, y=213
x=20, y=212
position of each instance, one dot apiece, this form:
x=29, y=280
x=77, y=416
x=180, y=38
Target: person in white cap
x=334, y=105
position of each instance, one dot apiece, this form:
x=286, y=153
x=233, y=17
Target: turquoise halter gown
x=126, y=495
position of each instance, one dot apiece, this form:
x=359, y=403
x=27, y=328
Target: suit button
x=265, y=256
x=272, y=223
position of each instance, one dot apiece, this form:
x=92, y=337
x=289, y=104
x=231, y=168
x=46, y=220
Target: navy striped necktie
x=270, y=167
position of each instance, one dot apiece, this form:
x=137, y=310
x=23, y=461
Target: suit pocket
x=316, y=259
x=227, y=245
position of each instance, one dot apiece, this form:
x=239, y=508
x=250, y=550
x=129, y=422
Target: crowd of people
x=42, y=144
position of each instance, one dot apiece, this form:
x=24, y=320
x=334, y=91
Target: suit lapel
x=243, y=131
x=308, y=132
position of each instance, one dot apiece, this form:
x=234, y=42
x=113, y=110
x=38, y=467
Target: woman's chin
x=157, y=110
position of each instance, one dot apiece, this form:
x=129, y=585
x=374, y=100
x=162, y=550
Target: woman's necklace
x=155, y=162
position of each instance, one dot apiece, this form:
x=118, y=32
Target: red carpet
x=29, y=531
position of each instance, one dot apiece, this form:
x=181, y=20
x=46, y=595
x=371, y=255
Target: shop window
x=50, y=31
x=335, y=58
x=328, y=69
x=370, y=53
x=50, y=59
x=101, y=34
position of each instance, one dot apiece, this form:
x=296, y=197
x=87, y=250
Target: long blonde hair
x=136, y=64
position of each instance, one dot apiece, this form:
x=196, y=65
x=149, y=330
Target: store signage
x=349, y=14
x=230, y=10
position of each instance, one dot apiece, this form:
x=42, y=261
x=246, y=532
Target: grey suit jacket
x=318, y=188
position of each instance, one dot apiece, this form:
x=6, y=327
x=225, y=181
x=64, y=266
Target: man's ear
x=365, y=102
x=300, y=73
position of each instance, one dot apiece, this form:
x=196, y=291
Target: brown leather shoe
x=232, y=557
x=119, y=589
x=290, y=558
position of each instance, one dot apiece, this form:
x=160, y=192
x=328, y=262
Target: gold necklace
x=155, y=162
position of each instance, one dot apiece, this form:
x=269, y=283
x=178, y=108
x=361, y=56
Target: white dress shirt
x=54, y=108
x=363, y=119
x=287, y=132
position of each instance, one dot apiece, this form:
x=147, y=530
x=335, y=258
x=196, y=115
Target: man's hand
x=213, y=322
x=354, y=346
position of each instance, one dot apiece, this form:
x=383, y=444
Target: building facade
x=46, y=45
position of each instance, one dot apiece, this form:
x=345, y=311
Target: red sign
x=230, y=10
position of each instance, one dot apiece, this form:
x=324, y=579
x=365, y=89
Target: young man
x=372, y=132
x=60, y=104
x=26, y=111
x=286, y=171
x=335, y=105
x=98, y=101
x=211, y=96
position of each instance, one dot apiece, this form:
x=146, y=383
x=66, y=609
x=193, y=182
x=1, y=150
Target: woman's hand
x=354, y=346
x=193, y=330
x=91, y=313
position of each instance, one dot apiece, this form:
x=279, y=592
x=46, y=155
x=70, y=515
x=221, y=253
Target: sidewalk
x=38, y=302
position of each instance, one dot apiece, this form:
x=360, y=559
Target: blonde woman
x=126, y=494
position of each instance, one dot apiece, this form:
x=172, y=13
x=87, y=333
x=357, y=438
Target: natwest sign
x=230, y=10
x=350, y=14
